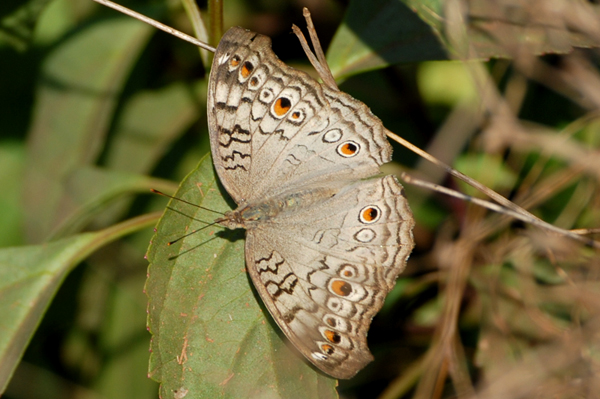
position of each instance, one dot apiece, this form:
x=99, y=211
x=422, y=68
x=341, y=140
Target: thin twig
x=156, y=24
x=523, y=215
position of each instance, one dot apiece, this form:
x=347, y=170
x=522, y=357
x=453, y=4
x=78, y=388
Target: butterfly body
x=247, y=216
x=325, y=237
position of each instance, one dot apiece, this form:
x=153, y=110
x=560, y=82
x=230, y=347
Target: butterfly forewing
x=283, y=129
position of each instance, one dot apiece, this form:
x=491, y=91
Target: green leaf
x=447, y=83
x=211, y=335
x=151, y=121
x=80, y=84
x=12, y=165
x=124, y=342
x=98, y=194
x=18, y=21
x=29, y=278
x=375, y=34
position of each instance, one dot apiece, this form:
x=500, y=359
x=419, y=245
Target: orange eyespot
x=348, y=149
x=235, y=61
x=331, y=321
x=253, y=81
x=282, y=106
x=332, y=336
x=328, y=349
x=341, y=288
x=247, y=69
x=348, y=273
x=295, y=115
x=370, y=214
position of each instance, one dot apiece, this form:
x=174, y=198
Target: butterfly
x=325, y=238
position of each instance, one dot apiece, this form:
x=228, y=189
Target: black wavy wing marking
x=295, y=259
x=230, y=139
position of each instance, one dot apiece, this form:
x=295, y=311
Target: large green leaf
x=80, y=85
x=151, y=121
x=98, y=194
x=211, y=335
x=29, y=278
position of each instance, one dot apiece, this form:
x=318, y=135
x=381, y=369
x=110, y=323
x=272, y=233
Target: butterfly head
x=232, y=220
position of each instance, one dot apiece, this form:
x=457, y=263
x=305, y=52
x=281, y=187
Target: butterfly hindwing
x=323, y=280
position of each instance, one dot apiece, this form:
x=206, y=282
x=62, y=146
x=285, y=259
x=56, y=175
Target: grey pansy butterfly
x=323, y=245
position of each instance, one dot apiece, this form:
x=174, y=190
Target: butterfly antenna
x=187, y=216
x=190, y=249
x=208, y=224
x=185, y=202
x=192, y=232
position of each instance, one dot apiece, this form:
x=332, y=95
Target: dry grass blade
x=318, y=61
